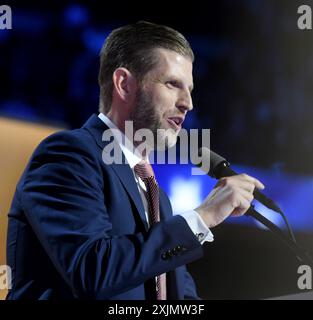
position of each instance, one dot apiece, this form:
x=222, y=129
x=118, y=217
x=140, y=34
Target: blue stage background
x=253, y=77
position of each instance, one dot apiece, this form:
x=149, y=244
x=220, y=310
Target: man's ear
x=125, y=84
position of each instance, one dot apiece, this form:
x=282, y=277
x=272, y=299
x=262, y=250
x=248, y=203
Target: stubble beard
x=145, y=116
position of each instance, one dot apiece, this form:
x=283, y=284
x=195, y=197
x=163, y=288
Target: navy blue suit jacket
x=77, y=228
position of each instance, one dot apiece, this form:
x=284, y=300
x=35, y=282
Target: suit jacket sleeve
x=63, y=200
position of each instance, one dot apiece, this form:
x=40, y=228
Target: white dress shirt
x=195, y=222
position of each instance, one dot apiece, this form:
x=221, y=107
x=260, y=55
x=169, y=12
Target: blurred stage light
x=184, y=194
x=76, y=15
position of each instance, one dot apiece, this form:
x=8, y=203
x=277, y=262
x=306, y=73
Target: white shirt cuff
x=197, y=226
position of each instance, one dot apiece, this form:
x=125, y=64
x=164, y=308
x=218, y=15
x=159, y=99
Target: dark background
x=253, y=88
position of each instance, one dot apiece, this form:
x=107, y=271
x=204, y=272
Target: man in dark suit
x=81, y=227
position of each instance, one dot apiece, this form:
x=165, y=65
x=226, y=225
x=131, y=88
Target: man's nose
x=184, y=104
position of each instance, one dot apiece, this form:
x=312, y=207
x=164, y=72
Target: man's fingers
x=243, y=181
x=259, y=185
x=246, y=185
x=245, y=177
x=242, y=208
x=230, y=196
x=246, y=195
x=255, y=181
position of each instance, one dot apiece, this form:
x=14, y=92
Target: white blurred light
x=185, y=194
x=269, y=214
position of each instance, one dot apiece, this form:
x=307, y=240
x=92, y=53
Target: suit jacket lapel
x=126, y=176
x=165, y=207
x=123, y=171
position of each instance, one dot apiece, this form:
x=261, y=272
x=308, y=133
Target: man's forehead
x=172, y=63
x=167, y=56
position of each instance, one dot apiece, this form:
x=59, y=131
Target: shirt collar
x=131, y=157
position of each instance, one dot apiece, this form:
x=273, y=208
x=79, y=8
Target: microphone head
x=210, y=157
x=215, y=159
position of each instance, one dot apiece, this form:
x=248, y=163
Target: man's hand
x=230, y=196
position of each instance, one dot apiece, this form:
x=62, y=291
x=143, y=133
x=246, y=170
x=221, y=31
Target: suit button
x=164, y=256
x=181, y=248
x=169, y=253
x=178, y=248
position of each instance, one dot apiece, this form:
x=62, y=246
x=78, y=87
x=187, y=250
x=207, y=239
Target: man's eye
x=172, y=83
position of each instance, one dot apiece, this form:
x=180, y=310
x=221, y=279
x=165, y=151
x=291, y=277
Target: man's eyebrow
x=181, y=83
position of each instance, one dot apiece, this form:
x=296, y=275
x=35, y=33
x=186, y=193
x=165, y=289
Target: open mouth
x=175, y=122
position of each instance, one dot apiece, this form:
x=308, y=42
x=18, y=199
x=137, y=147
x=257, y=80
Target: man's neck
x=119, y=122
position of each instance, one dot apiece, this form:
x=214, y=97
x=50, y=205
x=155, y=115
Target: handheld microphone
x=220, y=167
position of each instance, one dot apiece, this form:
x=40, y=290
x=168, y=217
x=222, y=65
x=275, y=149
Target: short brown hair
x=132, y=47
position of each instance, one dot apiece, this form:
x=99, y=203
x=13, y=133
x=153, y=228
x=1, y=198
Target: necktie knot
x=144, y=170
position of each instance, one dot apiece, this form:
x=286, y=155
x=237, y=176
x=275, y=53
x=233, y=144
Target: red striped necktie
x=146, y=174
